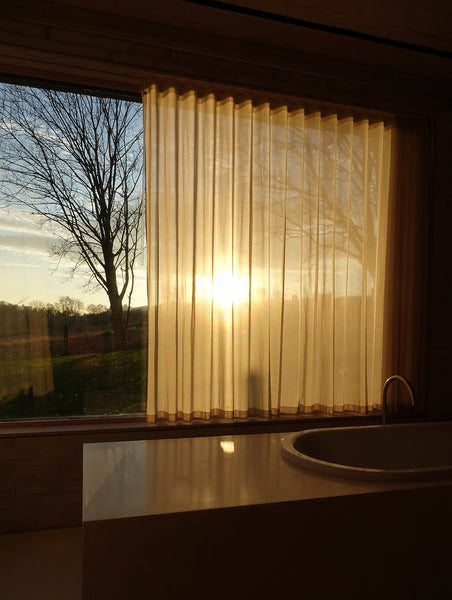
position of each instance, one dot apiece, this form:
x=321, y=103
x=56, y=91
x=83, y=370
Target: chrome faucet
x=386, y=387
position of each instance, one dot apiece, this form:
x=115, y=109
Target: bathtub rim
x=324, y=467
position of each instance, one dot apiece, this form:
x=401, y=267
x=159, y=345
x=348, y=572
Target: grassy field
x=90, y=384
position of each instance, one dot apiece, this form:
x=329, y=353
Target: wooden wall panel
x=67, y=43
x=41, y=483
x=423, y=22
x=438, y=360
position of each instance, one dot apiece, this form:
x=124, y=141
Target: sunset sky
x=28, y=272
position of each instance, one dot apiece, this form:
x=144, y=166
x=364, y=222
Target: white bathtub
x=380, y=452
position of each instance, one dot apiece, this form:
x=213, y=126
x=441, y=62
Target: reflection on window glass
x=73, y=307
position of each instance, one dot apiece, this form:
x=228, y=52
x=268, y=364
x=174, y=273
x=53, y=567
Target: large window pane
x=73, y=308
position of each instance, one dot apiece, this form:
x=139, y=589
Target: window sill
x=74, y=427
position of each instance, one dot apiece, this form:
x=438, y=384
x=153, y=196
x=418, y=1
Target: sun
x=225, y=289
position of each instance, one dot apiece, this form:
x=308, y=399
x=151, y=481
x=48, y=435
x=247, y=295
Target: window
x=268, y=264
x=73, y=307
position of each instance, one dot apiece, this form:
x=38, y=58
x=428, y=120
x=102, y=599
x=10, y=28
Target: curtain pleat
x=267, y=236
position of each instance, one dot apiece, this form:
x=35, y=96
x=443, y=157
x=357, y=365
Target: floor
x=41, y=565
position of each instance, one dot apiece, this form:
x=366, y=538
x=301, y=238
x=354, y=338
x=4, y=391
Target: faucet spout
x=388, y=382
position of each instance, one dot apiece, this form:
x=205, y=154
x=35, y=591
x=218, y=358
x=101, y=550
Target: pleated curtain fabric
x=266, y=258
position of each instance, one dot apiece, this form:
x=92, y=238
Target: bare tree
x=76, y=161
x=69, y=307
x=96, y=309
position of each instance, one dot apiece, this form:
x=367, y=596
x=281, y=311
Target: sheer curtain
x=266, y=258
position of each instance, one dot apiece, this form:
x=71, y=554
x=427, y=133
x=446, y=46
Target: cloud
x=25, y=244
x=22, y=221
x=23, y=235
x=18, y=265
x=30, y=270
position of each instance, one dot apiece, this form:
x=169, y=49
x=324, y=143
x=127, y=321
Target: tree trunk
x=117, y=317
x=117, y=321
